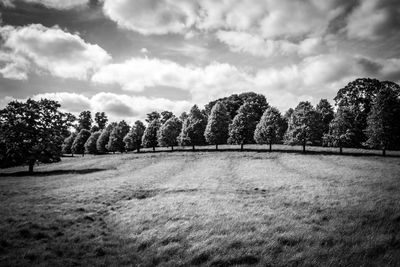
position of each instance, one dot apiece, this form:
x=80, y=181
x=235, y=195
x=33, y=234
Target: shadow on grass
x=52, y=172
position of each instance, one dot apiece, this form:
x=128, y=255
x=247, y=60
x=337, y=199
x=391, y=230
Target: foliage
x=32, y=131
x=78, y=147
x=153, y=116
x=66, y=147
x=183, y=116
x=149, y=138
x=268, y=130
x=241, y=130
x=101, y=119
x=166, y=115
x=193, y=128
x=94, y=129
x=217, y=129
x=340, y=129
x=325, y=109
x=104, y=138
x=116, y=139
x=91, y=143
x=133, y=139
x=168, y=133
x=84, y=120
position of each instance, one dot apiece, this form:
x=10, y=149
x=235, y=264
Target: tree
x=101, y=119
x=168, y=133
x=104, y=137
x=91, y=143
x=183, y=116
x=241, y=130
x=268, y=130
x=133, y=140
x=166, y=115
x=193, y=128
x=149, y=138
x=304, y=126
x=217, y=129
x=66, y=147
x=116, y=139
x=84, y=120
x=94, y=129
x=153, y=116
x=383, y=129
x=78, y=146
x=326, y=112
x=32, y=131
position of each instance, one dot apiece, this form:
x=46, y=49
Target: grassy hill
x=203, y=208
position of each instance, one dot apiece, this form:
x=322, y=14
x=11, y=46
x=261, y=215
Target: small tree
x=217, y=129
x=101, y=120
x=193, y=128
x=104, y=138
x=133, y=140
x=149, y=138
x=304, y=126
x=66, y=147
x=78, y=147
x=268, y=130
x=241, y=130
x=168, y=133
x=91, y=143
x=383, y=129
x=116, y=139
x=84, y=121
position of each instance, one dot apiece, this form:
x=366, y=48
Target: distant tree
x=383, y=129
x=241, y=130
x=104, y=138
x=78, y=147
x=84, y=121
x=101, y=120
x=268, y=130
x=116, y=139
x=304, y=126
x=32, y=131
x=168, y=133
x=66, y=147
x=166, y=115
x=94, y=129
x=326, y=112
x=91, y=143
x=193, y=128
x=153, y=116
x=183, y=116
x=217, y=129
x=149, y=138
x=133, y=140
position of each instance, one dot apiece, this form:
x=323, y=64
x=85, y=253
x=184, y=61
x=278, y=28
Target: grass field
x=203, y=208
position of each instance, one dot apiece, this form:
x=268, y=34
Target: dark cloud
x=120, y=109
x=370, y=67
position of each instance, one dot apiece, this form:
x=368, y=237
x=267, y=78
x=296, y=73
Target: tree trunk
x=83, y=153
x=384, y=152
x=340, y=150
x=304, y=148
x=270, y=147
x=31, y=165
x=216, y=146
x=154, y=148
x=241, y=147
x=138, y=150
x=193, y=147
x=72, y=154
x=172, y=148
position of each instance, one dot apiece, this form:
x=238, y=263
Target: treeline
x=367, y=115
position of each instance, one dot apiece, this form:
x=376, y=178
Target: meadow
x=210, y=208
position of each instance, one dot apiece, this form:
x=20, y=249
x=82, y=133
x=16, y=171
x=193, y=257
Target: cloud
x=49, y=50
x=57, y=4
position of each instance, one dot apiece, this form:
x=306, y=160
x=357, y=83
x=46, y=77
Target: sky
x=130, y=57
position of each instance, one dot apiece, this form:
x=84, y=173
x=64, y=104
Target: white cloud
x=51, y=50
x=57, y=4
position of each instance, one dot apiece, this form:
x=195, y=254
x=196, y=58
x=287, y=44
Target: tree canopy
x=101, y=120
x=168, y=133
x=268, y=130
x=133, y=140
x=78, y=146
x=91, y=143
x=84, y=121
x=149, y=138
x=217, y=129
x=193, y=128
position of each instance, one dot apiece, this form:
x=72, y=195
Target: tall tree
x=268, y=130
x=325, y=109
x=101, y=120
x=33, y=131
x=166, y=115
x=217, y=129
x=116, y=139
x=66, y=147
x=241, y=130
x=91, y=143
x=304, y=126
x=133, y=140
x=104, y=137
x=78, y=147
x=153, y=116
x=84, y=120
x=168, y=133
x=149, y=138
x=193, y=128
x=383, y=129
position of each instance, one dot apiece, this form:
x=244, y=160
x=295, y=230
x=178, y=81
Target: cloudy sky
x=129, y=57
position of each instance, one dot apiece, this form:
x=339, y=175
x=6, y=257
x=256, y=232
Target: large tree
x=304, y=126
x=193, y=128
x=91, y=143
x=325, y=109
x=33, y=131
x=78, y=147
x=241, y=130
x=101, y=120
x=84, y=121
x=383, y=129
x=104, y=137
x=168, y=133
x=66, y=147
x=217, y=129
x=133, y=140
x=116, y=139
x=268, y=130
x=149, y=138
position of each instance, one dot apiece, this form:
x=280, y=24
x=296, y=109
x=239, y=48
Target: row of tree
x=367, y=115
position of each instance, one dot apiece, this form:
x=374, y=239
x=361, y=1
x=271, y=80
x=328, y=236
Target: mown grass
x=203, y=208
